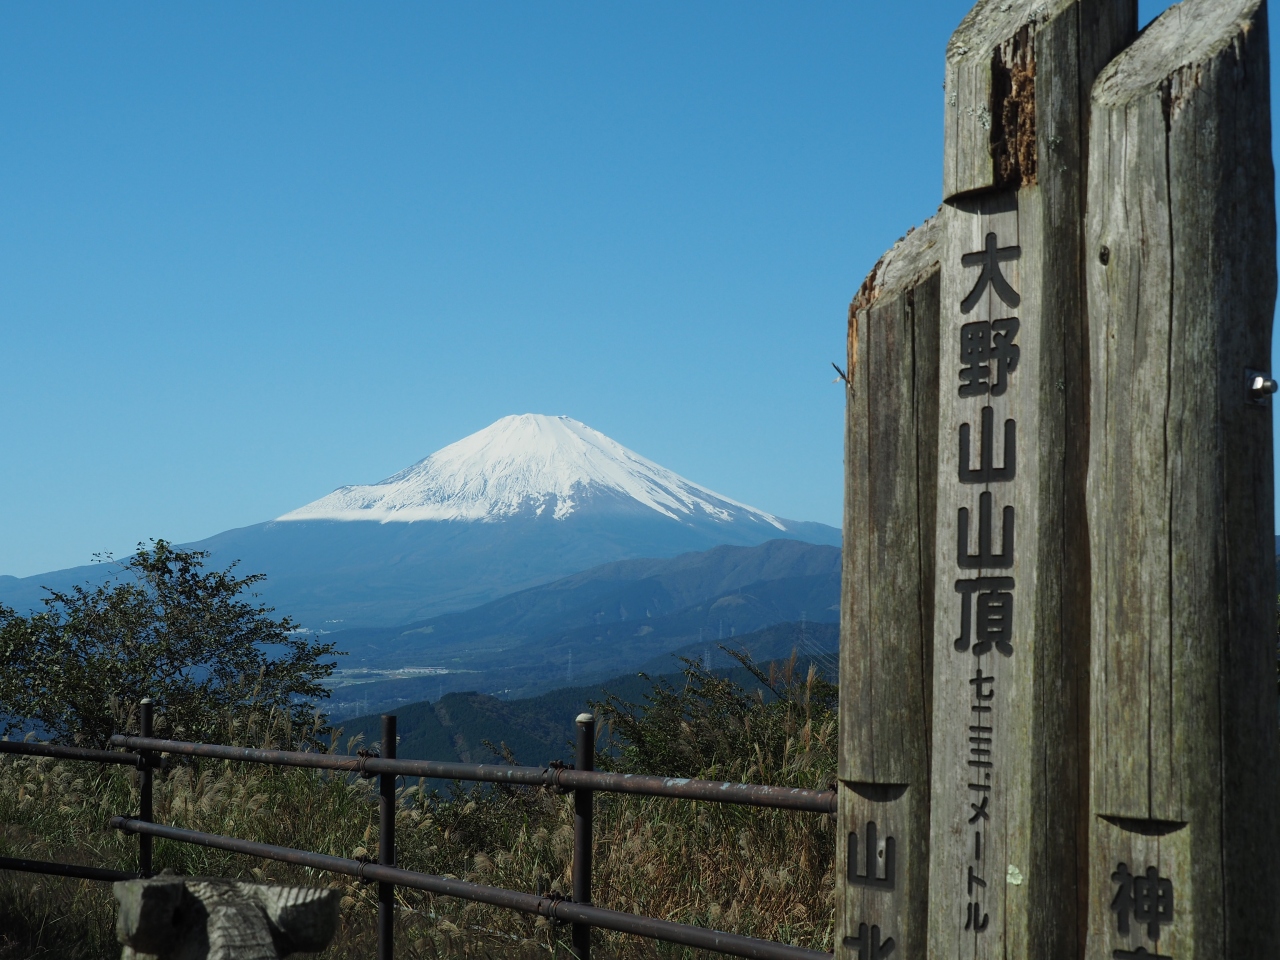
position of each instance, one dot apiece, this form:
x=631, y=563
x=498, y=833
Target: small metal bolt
x=1104, y=256
x=1260, y=387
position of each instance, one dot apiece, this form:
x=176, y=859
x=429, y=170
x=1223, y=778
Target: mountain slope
x=591, y=625
x=523, y=502
x=539, y=729
x=636, y=590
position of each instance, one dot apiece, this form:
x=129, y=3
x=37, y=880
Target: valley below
x=622, y=617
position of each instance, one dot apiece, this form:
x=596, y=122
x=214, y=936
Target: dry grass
x=761, y=873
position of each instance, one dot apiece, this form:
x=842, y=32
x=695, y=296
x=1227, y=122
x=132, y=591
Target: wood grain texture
x=886, y=649
x=990, y=136
x=1180, y=246
x=1024, y=877
x=891, y=446
x=988, y=753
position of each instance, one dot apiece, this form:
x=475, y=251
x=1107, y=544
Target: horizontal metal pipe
x=749, y=794
x=682, y=933
x=67, y=753
x=491, y=773
x=63, y=869
x=563, y=910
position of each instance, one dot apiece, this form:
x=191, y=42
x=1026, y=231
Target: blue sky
x=249, y=253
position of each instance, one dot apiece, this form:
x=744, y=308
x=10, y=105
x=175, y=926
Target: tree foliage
x=194, y=640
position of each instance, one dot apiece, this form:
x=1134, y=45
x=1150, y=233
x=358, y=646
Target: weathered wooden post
x=1094, y=699
x=1180, y=248
x=891, y=422
x=1011, y=623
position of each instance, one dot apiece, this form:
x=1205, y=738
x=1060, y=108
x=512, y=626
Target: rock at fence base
x=148, y=916
x=202, y=918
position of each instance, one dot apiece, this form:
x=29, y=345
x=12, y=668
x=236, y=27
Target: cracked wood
x=1181, y=269
x=886, y=624
x=1007, y=796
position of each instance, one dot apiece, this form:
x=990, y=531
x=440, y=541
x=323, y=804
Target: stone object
x=204, y=918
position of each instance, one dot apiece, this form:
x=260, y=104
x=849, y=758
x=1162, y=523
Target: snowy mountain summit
x=531, y=466
x=529, y=499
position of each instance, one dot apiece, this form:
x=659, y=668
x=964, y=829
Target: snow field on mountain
x=525, y=465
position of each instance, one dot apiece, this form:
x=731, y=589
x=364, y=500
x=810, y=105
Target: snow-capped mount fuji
x=528, y=466
x=526, y=500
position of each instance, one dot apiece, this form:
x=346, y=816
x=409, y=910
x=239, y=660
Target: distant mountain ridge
x=525, y=501
x=619, y=592
x=597, y=623
x=538, y=729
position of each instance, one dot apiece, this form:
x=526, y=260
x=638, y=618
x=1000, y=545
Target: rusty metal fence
x=143, y=751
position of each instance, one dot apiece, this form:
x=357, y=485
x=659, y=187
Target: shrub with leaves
x=712, y=726
x=192, y=639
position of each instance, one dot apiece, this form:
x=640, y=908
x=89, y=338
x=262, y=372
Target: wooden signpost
x=1185, y=785
x=1057, y=674
x=892, y=448
x=1011, y=470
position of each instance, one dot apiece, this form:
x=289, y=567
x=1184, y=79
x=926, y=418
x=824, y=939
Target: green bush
x=166, y=628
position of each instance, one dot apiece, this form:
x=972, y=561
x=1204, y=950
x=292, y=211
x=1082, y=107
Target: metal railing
x=61, y=752
x=141, y=751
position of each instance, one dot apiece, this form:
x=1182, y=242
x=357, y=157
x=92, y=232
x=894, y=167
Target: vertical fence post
x=582, y=833
x=145, y=758
x=387, y=841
